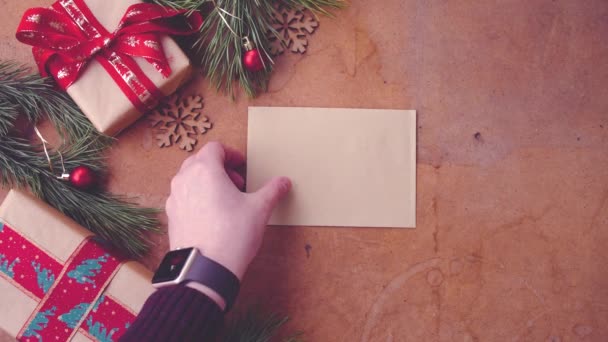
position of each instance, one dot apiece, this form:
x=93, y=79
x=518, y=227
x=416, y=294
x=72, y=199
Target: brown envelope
x=349, y=167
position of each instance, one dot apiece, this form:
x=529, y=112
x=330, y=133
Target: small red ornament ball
x=252, y=60
x=82, y=177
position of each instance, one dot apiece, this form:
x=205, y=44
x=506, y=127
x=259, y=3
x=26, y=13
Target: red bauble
x=82, y=177
x=253, y=60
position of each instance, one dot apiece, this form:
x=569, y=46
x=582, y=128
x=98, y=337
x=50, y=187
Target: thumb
x=270, y=194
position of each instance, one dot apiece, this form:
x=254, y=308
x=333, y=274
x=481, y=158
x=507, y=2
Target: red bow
x=67, y=35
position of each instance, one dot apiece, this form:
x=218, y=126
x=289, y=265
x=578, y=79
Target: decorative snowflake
x=34, y=18
x=63, y=73
x=132, y=41
x=179, y=121
x=57, y=26
x=292, y=26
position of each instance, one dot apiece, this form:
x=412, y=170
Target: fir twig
x=108, y=216
x=255, y=325
x=33, y=96
x=22, y=165
x=218, y=51
x=128, y=221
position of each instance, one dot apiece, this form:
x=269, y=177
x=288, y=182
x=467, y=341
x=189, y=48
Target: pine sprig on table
x=255, y=325
x=218, y=50
x=108, y=216
x=221, y=55
x=22, y=92
x=23, y=165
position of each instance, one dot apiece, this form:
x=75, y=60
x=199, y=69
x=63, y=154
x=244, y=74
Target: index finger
x=226, y=156
x=233, y=158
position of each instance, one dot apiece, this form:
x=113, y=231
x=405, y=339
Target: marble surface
x=512, y=204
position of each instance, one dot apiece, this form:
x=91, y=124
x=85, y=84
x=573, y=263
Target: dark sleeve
x=176, y=313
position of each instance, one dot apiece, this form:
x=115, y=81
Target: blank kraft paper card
x=349, y=167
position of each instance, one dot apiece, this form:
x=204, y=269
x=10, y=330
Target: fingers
x=271, y=193
x=236, y=178
x=217, y=154
x=188, y=162
x=212, y=151
x=234, y=158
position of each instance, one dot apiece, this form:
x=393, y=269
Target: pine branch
x=33, y=96
x=9, y=115
x=313, y=5
x=255, y=325
x=22, y=165
x=218, y=50
x=120, y=223
x=14, y=169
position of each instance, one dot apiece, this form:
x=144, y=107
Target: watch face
x=172, y=265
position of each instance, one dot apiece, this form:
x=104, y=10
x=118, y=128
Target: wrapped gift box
x=57, y=283
x=96, y=91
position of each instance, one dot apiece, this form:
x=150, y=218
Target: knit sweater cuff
x=176, y=313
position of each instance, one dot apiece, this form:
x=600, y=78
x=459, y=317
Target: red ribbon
x=64, y=304
x=66, y=36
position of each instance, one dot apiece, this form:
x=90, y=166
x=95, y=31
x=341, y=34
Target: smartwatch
x=188, y=264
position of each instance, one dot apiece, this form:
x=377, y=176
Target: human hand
x=207, y=210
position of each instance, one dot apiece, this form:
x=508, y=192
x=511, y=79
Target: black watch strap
x=215, y=276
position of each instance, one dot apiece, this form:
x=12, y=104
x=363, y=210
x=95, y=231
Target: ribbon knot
x=106, y=41
x=66, y=36
x=97, y=45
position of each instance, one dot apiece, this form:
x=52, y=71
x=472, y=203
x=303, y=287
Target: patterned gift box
x=57, y=283
x=113, y=57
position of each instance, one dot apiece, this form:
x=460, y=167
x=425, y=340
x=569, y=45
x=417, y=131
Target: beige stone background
x=512, y=225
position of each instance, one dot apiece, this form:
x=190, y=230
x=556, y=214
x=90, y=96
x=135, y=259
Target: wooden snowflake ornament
x=293, y=26
x=179, y=121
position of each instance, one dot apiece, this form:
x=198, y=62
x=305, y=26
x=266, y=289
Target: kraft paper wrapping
x=349, y=167
x=96, y=93
x=60, y=236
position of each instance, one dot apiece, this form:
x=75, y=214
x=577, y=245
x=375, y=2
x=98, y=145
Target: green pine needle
x=31, y=95
x=218, y=50
x=23, y=165
x=255, y=325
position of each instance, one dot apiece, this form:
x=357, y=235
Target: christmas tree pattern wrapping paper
x=114, y=59
x=57, y=282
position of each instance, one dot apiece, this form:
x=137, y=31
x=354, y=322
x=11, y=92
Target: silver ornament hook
x=64, y=174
